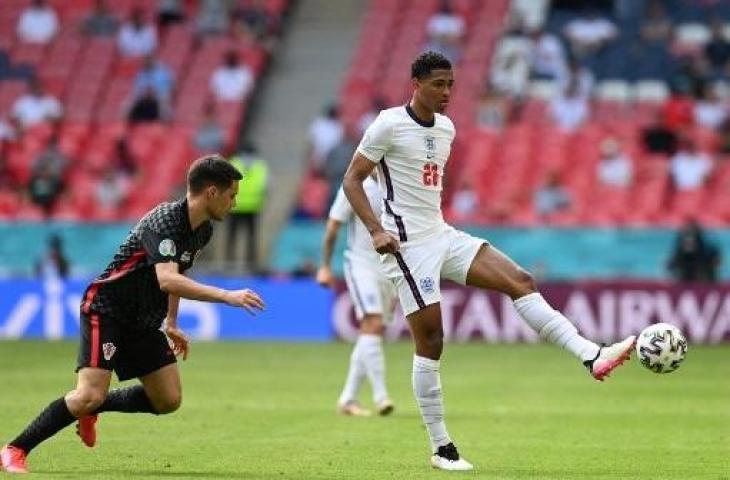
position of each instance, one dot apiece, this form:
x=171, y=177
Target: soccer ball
x=661, y=347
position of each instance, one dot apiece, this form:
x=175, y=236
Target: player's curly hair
x=427, y=62
x=211, y=170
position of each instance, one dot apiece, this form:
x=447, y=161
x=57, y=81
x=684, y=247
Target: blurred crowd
x=42, y=113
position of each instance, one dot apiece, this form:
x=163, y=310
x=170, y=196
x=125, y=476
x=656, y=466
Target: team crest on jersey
x=108, y=349
x=427, y=284
x=185, y=257
x=430, y=146
x=167, y=248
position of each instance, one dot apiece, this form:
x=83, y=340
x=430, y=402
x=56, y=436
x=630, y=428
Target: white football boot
x=385, y=407
x=447, y=458
x=610, y=357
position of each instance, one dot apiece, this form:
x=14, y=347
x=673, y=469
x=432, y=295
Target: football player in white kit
x=372, y=293
x=410, y=145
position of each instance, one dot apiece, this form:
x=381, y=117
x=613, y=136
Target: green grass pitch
x=266, y=411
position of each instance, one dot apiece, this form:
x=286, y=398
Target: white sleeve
x=376, y=140
x=341, y=209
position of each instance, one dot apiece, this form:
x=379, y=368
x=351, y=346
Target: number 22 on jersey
x=431, y=175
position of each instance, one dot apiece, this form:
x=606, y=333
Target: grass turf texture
x=266, y=411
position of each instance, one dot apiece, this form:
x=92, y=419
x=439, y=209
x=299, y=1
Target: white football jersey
x=359, y=242
x=411, y=156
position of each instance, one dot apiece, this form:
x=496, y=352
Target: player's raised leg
x=491, y=269
x=428, y=337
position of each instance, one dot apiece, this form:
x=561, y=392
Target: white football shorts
x=418, y=267
x=371, y=291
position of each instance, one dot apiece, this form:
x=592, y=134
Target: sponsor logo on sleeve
x=167, y=248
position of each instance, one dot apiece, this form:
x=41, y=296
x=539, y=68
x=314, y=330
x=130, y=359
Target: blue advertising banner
x=295, y=310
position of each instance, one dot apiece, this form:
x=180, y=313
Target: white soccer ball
x=661, y=347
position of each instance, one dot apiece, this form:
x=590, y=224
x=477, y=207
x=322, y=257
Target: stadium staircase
x=302, y=79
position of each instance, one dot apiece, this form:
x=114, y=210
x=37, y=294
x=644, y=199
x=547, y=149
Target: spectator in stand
x=679, y=110
x=36, y=107
x=155, y=76
x=51, y=157
x=146, y=108
x=123, y=160
x=378, y=104
x=709, y=110
x=589, y=33
x=44, y=188
x=582, y=76
x=231, y=81
x=170, y=12
x=137, y=38
x=101, y=22
x=659, y=138
x=551, y=198
x=338, y=159
x=213, y=16
x=547, y=56
x=657, y=27
x=38, y=23
x=465, y=202
x=111, y=190
x=723, y=137
x=689, y=167
x=690, y=76
x=717, y=50
x=446, y=31
x=325, y=133
x=493, y=110
x=511, y=66
x=54, y=263
x=614, y=168
x=8, y=177
x=209, y=136
x=253, y=21
x=694, y=259
x=8, y=131
x=569, y=110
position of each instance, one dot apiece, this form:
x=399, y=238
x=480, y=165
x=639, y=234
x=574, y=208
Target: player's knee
x=170, y=403
x=371, y=324
x=89, y=400
x=435, y=342
x=524, y=284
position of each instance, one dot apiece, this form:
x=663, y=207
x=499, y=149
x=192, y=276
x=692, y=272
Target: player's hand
x=180, y=341
x=247, y=299
x=384, y=242
x=325, y=277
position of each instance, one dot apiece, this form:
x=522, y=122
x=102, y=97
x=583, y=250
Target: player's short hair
x=211, y=170
x=427, y=62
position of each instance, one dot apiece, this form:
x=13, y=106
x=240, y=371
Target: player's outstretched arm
x=357, y=172
x=324, y=273
x=174, y=283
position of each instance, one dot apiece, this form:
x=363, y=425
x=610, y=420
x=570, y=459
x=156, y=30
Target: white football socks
x=355, y=375
x=552, y=326
x=373, y=361
x=427, y=389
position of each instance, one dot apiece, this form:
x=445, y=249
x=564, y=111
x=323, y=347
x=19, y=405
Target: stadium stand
x=95, y=85
x=636, y=66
